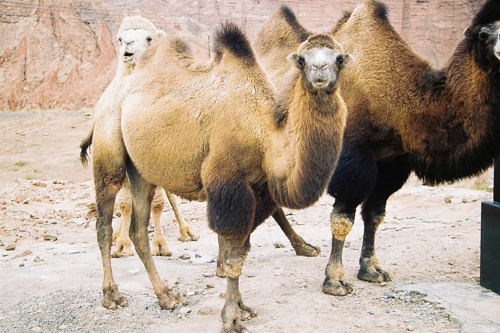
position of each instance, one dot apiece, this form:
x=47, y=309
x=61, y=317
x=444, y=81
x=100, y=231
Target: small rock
x=357, y=325
x=24, y=254
x=210, y=286
x=20, y=198
x=464, y=200
x=410, y=328
x=208, y=274
x=10, y=247
x=206, y=311
x=278, y=245
x=185, y=310
x=37, y=259
x=39, y=183
x=185, y=256
x=447, y=200
x=21, y=265
x=48, y=237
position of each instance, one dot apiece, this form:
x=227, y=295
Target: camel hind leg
x=142, y=196
x=186, y=234
x=301, y=247
x=159, y=242
x=106, y=190
x=123, y=247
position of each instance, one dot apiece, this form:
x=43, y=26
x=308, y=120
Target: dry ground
x=431, y=234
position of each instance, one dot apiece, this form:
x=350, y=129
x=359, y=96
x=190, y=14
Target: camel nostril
x=128, y=54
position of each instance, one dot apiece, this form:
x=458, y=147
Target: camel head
x=320, y=59
x=484, y=33
x=135, y=35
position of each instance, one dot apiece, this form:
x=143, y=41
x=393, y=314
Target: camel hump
x=289, y=16
x=490, y=12
x=230, y=38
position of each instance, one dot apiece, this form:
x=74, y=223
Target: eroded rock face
x=57, y=54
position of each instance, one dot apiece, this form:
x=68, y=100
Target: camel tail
x=85, y=147
x=230, y=38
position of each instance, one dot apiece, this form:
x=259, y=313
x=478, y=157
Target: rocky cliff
x=60, y=54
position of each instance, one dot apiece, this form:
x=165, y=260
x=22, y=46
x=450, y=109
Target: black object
x=490, y=237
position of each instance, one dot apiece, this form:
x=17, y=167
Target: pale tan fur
x=132, y=36
x=214, y=131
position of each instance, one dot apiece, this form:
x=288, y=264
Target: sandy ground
x=51, y=271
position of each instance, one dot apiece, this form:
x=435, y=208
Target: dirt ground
x=51, y=272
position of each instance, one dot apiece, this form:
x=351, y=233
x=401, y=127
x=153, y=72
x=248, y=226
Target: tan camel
x=404, y=116
x=135, y=35
x=214, y=131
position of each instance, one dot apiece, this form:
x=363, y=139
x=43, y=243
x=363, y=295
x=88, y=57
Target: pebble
x=278, y=245
x=207, y=311
x=185, y=256
x=185, y=310
x=410, y=328
x=447, y=200
x=48, y=237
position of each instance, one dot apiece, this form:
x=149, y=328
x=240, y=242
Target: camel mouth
x=127, y=57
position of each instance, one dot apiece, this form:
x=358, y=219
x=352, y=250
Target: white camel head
x=320, y=59
x=135, y=35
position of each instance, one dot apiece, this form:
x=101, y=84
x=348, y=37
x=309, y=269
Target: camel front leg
x=159, y=242
x=335, y=282
x=186, y=235
x=234, y=310
x=301, y=247
x=142, y=195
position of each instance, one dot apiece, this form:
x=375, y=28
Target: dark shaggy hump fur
x=291, y=19
x=490, y=12
x=230, y=37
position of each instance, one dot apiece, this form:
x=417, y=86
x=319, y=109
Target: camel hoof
x=121, y=254
x=374, y=274
x=161, y=253
x=168, y=300
x=112, y=301
x=234, y=327
x=306, y=250
x=336, y=288
x=188, y=236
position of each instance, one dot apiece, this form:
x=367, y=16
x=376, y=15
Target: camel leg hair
x=301, y=247
x=142, y=195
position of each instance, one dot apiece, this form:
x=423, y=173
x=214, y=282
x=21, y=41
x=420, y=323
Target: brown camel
x=406, y=116
x=135, y=36
x=215, y=131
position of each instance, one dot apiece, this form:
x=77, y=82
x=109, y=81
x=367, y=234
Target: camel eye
x=301, y=61
x=340, y=60
x=483, y=36
x=149, y=39
x=120, y=40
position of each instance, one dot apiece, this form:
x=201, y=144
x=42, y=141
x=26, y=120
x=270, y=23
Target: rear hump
x=230, y=38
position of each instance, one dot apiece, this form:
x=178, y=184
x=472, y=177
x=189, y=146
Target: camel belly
x=167, y=148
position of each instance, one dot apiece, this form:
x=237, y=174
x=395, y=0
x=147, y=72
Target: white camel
x=135, y=35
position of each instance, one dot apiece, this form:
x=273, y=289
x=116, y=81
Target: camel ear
x=160, y=33
x=348, y=59
x=467, y=32
x=296, y=60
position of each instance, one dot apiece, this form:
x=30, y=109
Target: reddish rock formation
x=61, y=54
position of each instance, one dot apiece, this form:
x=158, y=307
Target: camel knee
x=341, y=224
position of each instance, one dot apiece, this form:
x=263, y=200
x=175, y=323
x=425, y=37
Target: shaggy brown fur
x=406, y=116
x=206, y=131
